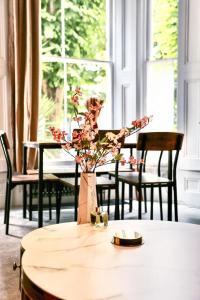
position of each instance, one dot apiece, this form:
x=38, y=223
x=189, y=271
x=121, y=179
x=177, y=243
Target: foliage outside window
x=165, y=29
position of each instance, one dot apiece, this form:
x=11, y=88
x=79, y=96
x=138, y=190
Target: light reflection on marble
x=78, y=262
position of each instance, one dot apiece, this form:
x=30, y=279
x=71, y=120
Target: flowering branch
x=95, y=151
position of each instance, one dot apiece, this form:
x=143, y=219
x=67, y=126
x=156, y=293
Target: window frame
x=79, y=61
x=65, y=60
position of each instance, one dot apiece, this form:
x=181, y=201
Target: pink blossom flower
x=122, y=161
x=93, y=146
x=78, y=159
x=58, y=135
x=75, y=99
x=67, y=146
x=132, y=160
x=114, y=151
x=77, y=119
x=123, y=132
x=78, y=91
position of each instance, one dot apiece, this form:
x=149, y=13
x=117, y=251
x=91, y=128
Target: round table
x=79, y=262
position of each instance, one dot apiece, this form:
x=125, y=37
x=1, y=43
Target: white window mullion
x=72, y=60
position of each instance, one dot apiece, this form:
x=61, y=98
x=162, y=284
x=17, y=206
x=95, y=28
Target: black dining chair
x=13, y=180
x=142, y=179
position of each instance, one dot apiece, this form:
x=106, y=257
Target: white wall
x=189, y=101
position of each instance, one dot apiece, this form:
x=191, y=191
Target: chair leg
x=169, y=214
x=117, y=216
x=122, y=201
x=175, y=204
x=8, y=209
x=101, y=197
x=160, y=201
x=49, y=190
x=130, y=198
x=145, y=199
x=6, y=203
x=151, y=212
x=139, y=203
x=58, y=189
x=24, y=201
x=108, y=209
x=30, y=202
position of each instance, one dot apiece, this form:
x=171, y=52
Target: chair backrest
x=5, y=146
x=161, y=141
x=102, y=134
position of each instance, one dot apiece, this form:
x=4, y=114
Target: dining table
x=81, y=262
x=40, y=146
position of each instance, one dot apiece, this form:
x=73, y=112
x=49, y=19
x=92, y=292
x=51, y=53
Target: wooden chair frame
x=155, y=141
x=14, y=180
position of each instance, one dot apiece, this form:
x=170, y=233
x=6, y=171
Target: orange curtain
x=24, y=71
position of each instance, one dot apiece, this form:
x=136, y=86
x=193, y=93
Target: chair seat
x=20, y=178
x=15, y=179
x=147, y=178
x=101, y=181
x=105, y=182
x=111, y=168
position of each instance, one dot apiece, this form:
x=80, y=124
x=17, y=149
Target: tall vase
x=87, y=197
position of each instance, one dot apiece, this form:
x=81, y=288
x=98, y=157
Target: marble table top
x=79, y=262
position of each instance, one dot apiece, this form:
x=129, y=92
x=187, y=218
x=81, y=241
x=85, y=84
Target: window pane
x=164, y=25
x=51, y=27
x=51, y=102
x=161, y=95
x=85, y=29
x=55, y=104
x=94, y=81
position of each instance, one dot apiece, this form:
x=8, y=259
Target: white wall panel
x=189, y=101
x=192, y=124
x=189, y=188
x=193, y=32
x=126, y=105
x=124, y=62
